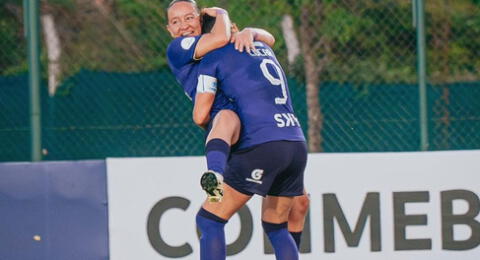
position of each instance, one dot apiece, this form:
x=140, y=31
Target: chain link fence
x=108, y=92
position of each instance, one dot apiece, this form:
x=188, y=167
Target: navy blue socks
x=212, y=239
x=217, y=152
x=282, y=242
x=297, y=236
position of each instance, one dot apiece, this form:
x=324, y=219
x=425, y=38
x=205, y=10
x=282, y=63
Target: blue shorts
x=273, y=168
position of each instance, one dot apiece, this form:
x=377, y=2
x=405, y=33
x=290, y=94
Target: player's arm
x=262, y=35
x=206, y=90
x=244, y=39
x=201, y=109
x=218, y=37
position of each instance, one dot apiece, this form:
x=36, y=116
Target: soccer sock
x=297, y=236
x=217, y=152
x=212, y=239
x=282, y=242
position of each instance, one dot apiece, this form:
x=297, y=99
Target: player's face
x=183, y=20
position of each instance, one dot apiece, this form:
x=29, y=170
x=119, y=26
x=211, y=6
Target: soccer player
x=271, y=155
x=184, y=52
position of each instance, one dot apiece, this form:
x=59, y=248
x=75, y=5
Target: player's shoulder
x=180, y=51
x=220, y=53
x=225, y=50
x=182, y=44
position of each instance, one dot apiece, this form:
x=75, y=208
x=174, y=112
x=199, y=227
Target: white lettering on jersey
x=295, y=119
x=290, y=122
x=260, y=52
x=286, y=120
x=187, y=43
x=278, y=118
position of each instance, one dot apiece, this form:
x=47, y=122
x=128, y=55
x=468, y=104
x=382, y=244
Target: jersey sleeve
x=208, y=77
x=181, y=51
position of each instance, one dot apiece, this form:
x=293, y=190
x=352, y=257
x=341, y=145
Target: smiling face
x=183, y=20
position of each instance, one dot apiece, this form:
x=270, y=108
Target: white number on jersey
x=275, y=81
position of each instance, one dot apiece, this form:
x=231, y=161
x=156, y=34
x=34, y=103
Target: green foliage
x=69, y=4
x=453, y=42
x=370, y=40
x=12, y=52
x=118, y=98
x=342, y=25
x=146, y=21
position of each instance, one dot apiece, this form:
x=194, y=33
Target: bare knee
x=299, y=210
x=296, y=218
x=301, y=204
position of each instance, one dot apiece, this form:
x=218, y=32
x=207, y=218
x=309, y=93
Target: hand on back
x=243, y=40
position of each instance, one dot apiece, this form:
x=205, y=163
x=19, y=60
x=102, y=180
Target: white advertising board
x=371, y=206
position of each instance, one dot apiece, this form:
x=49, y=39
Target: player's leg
x=275, y=212
x=288, y=184
x=226, y=126
x=224, y=132
x=242, y=180
x=211, y=220
x=232, y=201
x=296, y=218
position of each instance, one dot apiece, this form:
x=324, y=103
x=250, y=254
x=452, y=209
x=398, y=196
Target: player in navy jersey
x=272, y=152
x=253, y=81
x=183, y=53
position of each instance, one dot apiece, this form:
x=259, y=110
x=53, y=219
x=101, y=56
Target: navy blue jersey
x=257, y=85
x=180, y=56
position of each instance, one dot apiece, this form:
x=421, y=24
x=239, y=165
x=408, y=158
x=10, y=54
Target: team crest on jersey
x=257, y=175
x=187, y=43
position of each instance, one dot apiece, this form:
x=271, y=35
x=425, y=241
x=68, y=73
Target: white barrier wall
x=396, y=206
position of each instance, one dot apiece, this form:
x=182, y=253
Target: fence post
x=31, y=14
x=419, y=19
